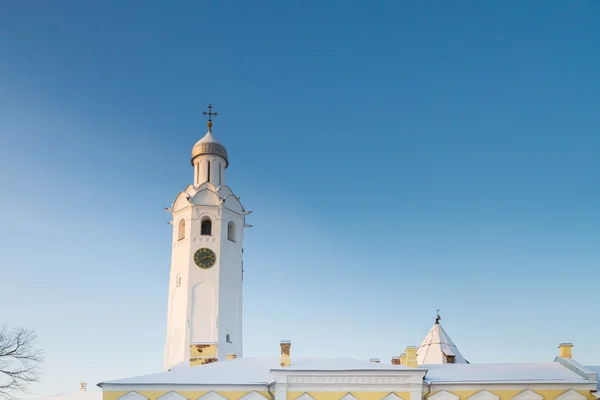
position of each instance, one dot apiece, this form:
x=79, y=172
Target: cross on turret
x=210, y=114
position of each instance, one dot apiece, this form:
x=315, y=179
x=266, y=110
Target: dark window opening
x=206, y=227
x=231, y=231
x=228, y=338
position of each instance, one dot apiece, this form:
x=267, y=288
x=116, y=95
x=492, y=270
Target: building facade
x=204, y=353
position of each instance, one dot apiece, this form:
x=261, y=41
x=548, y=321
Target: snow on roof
x=248, y=371
x=549, y=372
x=239, y=371
x=436, y=346
x=92, y=395
x=340, y=364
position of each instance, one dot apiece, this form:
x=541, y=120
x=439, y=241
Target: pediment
x=206, y=197
x=172, y=395
x=392, y=396
x=253, y=396
x=571, y=394
x=181, y=201
x=443, y=395
x=484, y=395
x=527, y=395
x=348, y=396
x=305, y=396
x=212, y=396
x=132, y=396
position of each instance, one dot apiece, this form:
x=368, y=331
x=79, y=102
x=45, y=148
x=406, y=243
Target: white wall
x=208, y=303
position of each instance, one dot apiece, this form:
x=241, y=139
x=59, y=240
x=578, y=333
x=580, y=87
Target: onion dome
x=209, y=145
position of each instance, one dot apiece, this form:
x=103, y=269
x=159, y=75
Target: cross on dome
x=208, y=144
x=210, y=114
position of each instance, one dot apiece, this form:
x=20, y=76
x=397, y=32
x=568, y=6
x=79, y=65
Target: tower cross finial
x=437, y=318
x=210, y=114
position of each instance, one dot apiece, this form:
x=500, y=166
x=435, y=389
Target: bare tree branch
x=20, y=361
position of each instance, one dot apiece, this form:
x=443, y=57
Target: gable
x=305, y=396
x=484, y=395
x=206, y=197
x=181, y=201
x=172, y=396
x=443, y=395
x=253, y=396
x=132, y=396
x=528, y=395
x=212, y=396
x=392, y=396
x=348, y=396
x=571, y=394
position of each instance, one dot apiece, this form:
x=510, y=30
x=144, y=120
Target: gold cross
x=210, y=114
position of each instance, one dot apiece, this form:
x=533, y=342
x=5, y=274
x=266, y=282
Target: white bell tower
x=205, y=291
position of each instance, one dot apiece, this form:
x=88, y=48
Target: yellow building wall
x=339, y=395
x=509, y=394
x=463, y=394
x=203, y=350
x=153, y=395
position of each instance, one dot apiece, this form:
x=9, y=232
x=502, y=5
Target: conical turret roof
x=438, y=348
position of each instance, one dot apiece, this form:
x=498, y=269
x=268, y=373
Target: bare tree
x=20, y=360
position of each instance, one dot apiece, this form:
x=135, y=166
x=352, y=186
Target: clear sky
x=399, y=157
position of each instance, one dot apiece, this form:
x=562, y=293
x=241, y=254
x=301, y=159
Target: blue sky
x=399, y=157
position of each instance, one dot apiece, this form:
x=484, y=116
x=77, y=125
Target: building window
x=220, y=174
x=206, y=227
x=231, y=231
x=228, y=338
x=208, y=171
x=178, y=280
x=181, y=230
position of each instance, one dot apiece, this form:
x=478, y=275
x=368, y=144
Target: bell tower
x=204, y=321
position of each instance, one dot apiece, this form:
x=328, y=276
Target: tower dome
x=209, y=145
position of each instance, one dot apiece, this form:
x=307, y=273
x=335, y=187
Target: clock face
x=205, y=258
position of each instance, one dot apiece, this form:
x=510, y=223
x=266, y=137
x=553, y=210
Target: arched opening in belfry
x=206, y=227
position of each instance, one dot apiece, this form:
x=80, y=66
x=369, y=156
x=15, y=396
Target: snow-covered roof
x=257, y=371
x=340, y=364
x=248, y=371
x=549, y=372
x=92, y=395
x=437, y=347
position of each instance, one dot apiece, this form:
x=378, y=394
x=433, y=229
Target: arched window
x=228, y=338
x=231, y=231
x=206, y=227
x=207, y=171
x=181, y=230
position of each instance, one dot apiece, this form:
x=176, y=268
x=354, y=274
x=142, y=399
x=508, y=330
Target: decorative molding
x=527, y=394
x=348, y=396
x=392, y=396
x=487, y=395
x=365, y=380
x=253, y=396
x=212, y=396
x=443, y=395
x=132, y=396
x=172, y=395
x=305, y=396
x=571, y=394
